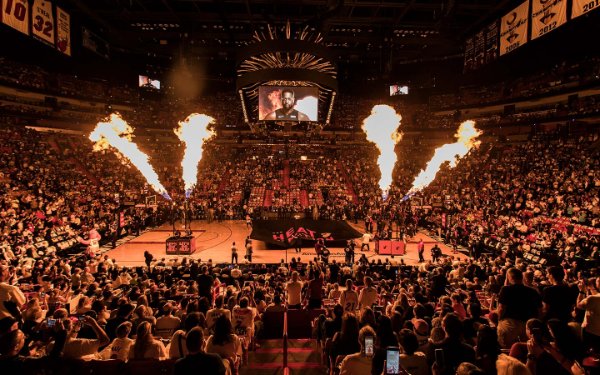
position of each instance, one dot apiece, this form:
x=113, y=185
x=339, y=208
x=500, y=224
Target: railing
x=285, y=343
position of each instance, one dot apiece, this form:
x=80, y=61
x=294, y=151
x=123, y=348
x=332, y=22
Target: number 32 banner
x=15, y=14
x=42, y=21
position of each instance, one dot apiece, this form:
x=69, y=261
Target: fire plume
x=193, y=131
x=381, y=128
x=451, y=152
x=118, y=134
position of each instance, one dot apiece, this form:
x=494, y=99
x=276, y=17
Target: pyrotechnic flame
x=193, y=131
x=118, y=134
x=381, y=128
x=451, y=152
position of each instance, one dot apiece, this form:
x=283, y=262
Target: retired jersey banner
x=547, y=15
x=42, y=21
x=513, y=29
x=581, y=7
x=63, y=31
x=15, y=13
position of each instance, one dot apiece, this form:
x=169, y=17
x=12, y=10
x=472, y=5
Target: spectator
x=591, y=306
x=359, y=363
x=197, y=358
x=294, y=292
x=517, y=303
x=146, y=346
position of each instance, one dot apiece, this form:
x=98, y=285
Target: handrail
x=285, y=341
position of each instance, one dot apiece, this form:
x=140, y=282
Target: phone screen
x=392, y=361
x=50, y=322
x=369, y=345
x=439, y=358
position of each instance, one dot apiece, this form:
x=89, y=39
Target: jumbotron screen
x=282, y=103
x=398, y=90
x=149, y=83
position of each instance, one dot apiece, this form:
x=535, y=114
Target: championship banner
x=94, y=43
x=513, y=29
x=283, y=232
x=479, y=50
x=491, y=42
x=63, y=31
x=42, y=21
x=469, y=50
x=581, y=7
x=546, y=16
x=15, y=14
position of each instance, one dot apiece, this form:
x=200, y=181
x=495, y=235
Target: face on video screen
x=288, y=103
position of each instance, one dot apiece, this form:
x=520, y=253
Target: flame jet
x=381, y=128
x=118, y=134
x=193, y=131
x=450, y=152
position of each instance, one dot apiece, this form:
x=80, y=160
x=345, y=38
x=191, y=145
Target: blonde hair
x=506, y=365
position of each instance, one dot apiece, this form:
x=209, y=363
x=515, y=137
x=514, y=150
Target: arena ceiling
x=381, y=33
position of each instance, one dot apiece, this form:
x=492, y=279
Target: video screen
x=282, y=103
x=149, y=83
x=398, y=90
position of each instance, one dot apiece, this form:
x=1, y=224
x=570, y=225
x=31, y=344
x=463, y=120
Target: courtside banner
x=15, y=13
x=42, y=21
x=547, y=15
x=581, y=7
x=283, y=232
x=513, y=29
x=63, y=31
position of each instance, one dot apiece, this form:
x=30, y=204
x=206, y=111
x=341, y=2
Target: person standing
x=297, y=244
x=234, y=254
x=517, y=304
x=366, y=238
x=249, y=252
x=148, y=259
x=591, y=304
x=421, y=250
x=248, y=221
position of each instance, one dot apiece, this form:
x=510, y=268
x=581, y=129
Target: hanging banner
x=42, y=21
x=479, y=50
x=491, y=42
x=63, y=31
x=547, y=15
x=469, y=49
x=513, y=29
x=94, y=43
x=581, y=7
x=15, y=13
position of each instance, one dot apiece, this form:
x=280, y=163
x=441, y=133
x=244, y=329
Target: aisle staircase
x=349, y=186
x=285, y=356
x=285, y=177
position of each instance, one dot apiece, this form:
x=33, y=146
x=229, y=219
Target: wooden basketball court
x=214, y=241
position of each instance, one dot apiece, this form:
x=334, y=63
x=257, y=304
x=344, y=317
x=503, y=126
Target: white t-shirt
x=366, y=238
x=243, y=318
x=294, y=292
x=119, y=348
x=10, y=293
x=591, y=322
x=368, y=296
x=349, y=300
